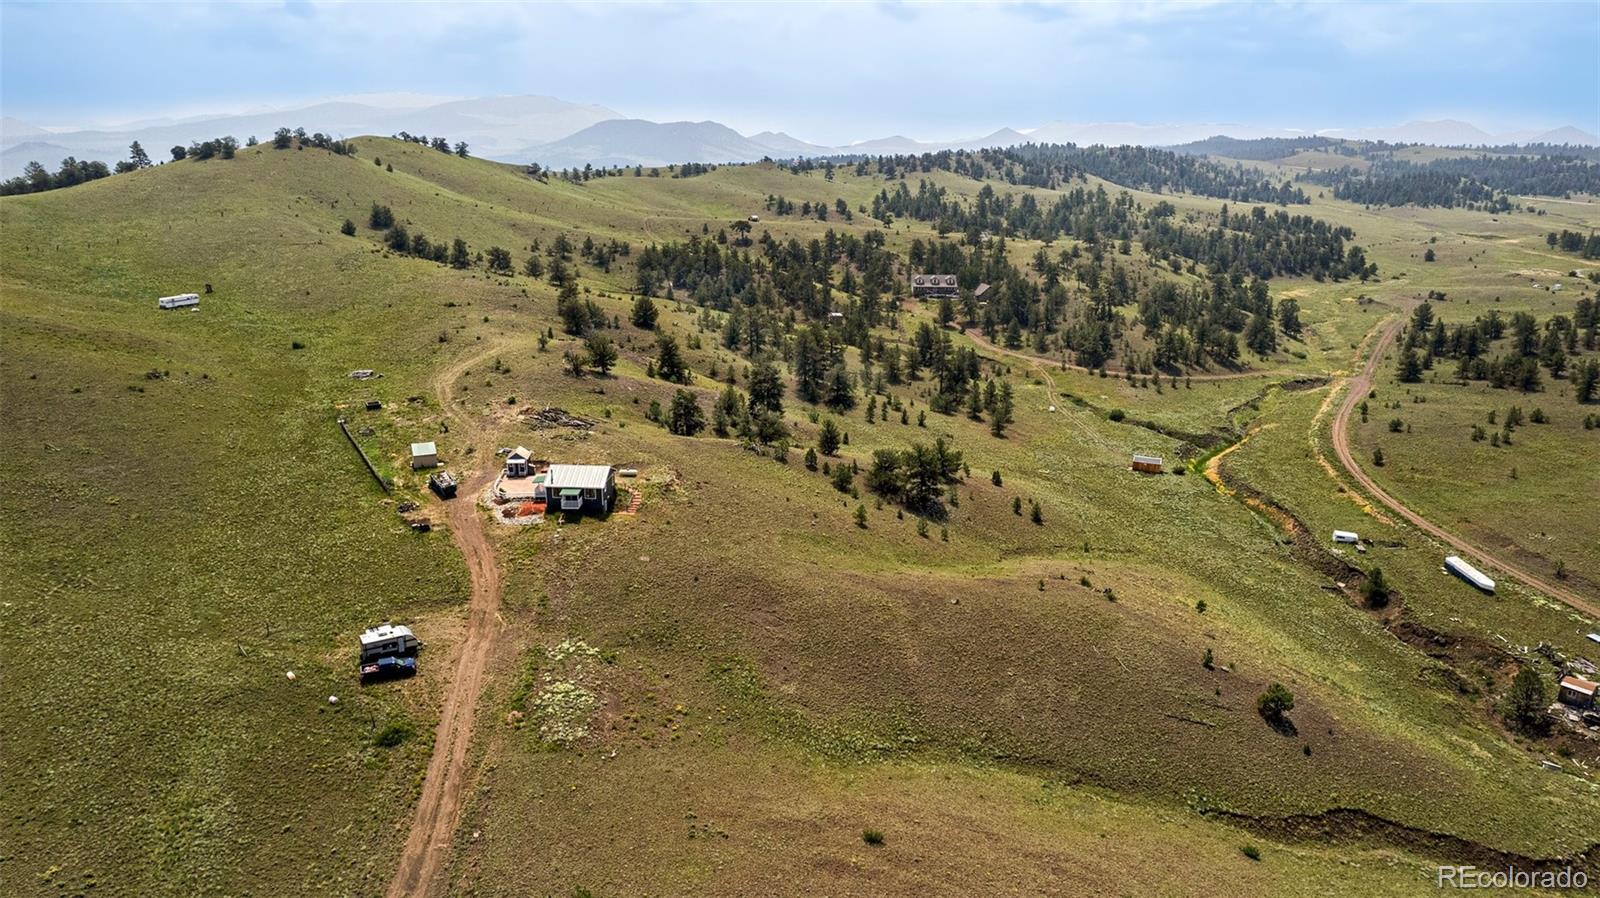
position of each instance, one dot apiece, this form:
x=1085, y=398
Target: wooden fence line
x=361, y=452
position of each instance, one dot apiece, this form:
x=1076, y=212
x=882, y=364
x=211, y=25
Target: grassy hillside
x=752, y=680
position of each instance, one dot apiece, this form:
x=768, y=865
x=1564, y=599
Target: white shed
x=424, y=455
x=517, y=462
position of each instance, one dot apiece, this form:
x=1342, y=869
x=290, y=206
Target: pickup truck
x=387, y=667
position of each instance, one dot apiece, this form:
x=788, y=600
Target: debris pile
x=550, y=416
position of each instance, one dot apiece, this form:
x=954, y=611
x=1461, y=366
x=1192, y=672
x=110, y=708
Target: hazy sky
x=827, y=73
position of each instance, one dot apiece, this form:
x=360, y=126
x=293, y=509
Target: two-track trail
x=427, y=848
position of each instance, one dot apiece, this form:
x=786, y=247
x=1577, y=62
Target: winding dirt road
x=1360, y=386
x=422, y=861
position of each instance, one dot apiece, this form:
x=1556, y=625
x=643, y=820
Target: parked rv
x=179, y=301
x=1455, y=565
x=388, y=650
x=1345, y=536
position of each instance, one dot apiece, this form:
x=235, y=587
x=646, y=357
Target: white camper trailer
x=179, y=301
x=1467, y=572
x=1345, y=536
x=388, y=639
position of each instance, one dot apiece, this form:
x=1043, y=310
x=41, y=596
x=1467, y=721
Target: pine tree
x=644, y=314
x=1524, y=704
x=670, y=365
x=602, y=354
x=684, y=417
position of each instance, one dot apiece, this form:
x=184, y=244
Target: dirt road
x=1360, y=386
x=422, y=861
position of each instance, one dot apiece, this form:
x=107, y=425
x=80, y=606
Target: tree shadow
x=1283, y=726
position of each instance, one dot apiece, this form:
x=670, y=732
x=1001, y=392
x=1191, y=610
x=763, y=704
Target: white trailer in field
x=179, y=301
x=1467, y=572
x=1345, y=536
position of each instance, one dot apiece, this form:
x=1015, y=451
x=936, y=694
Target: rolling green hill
x=721, y=694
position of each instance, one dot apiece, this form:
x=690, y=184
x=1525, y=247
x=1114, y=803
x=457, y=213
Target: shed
x=1576, y=692
x=590, y=489
x=1148, y=464
x=424, y=455
x=1345, y=536
x=982, y=293
x=517, y=462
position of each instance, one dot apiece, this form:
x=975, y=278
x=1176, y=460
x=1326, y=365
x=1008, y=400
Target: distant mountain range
x=496, y=127
x=559, y=134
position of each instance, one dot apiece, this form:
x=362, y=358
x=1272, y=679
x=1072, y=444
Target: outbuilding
x=589, y=489
x=1576, y=692
x=1345, y=536
x=517, y=462
x=424, y=455
x=1148, y=464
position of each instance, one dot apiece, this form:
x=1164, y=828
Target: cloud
x=830, y=72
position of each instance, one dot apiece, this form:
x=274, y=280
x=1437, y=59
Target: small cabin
x=934, y=285
x=179, y=301
x=517, y=462
x=1576, y=692
x=1346, y=536
x=588, y=489
x=424, y=455
x=1148, y=464
x=982, y=294
x=388, y=640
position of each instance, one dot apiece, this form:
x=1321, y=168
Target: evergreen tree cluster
x=1482, y=181
x=1505, y=354
x=297, y=138
x=1575, y=242
x=441, y=144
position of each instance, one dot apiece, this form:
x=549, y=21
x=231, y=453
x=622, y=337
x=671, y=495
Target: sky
x=828, y=73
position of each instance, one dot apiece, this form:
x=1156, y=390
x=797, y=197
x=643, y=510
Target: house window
x=591, y=494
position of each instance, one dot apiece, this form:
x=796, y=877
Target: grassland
x=1016, y=707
